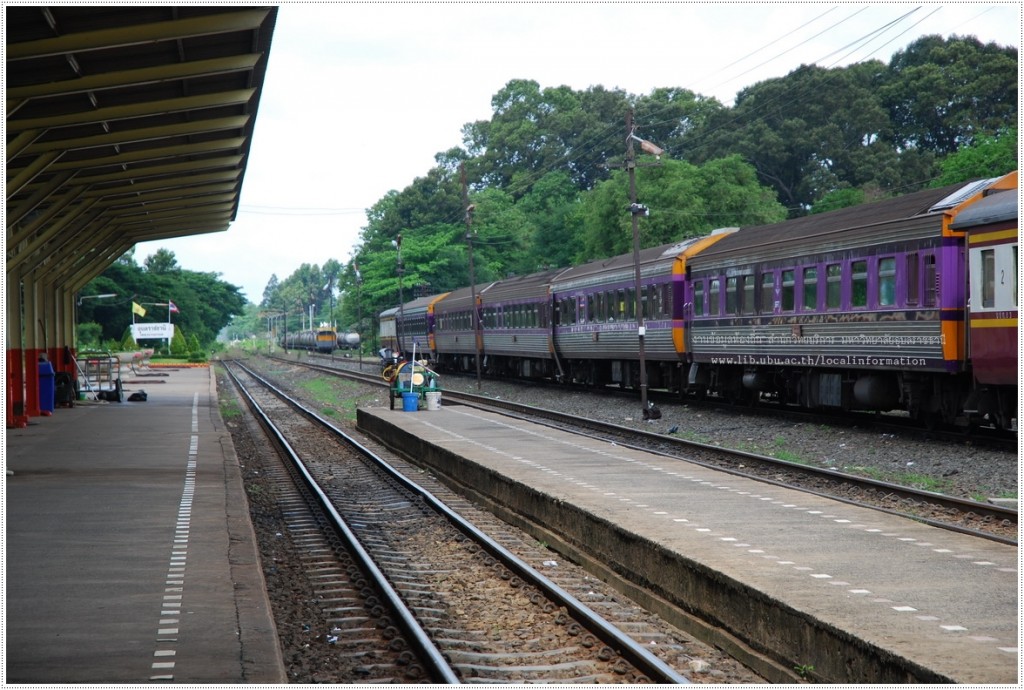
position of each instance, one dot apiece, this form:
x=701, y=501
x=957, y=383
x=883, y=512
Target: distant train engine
x=322, y=339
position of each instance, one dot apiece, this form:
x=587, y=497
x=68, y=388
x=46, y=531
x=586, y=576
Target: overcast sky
x=359, y=98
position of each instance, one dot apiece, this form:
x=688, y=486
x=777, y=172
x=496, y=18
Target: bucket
x=433, y=400
x=410, y=402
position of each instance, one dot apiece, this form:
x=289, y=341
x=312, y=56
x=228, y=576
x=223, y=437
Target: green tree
x=838, y=198
x=941, y=93
x=270, y=290
x=684, y=201
x=675, y=119
x=552, y=210
x=533, y=131
x=502, y=236
x=206, y=303
x=161, y=261
x=987, y=156
x=179, y=347
x=808, y=132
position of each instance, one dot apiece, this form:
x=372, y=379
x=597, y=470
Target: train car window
x=988, y=278
x=620, y=304
x=767, y=293
x=913, y=278
x=747, y=299
x=666, y=299
x=810, y=288
x=930, y=286
x=887, y=281
x=833, y=285
x=630, y=304
x=788, y=290
x=698, y=298
x=859, y=285
x=731, y=301
x=714, y=303
x=591, y=309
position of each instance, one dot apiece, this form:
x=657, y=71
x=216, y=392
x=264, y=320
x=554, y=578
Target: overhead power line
x=298, y=210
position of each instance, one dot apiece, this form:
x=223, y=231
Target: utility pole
x=472, y=275
x=400, y=332
x=359, y=309
x=636, y=210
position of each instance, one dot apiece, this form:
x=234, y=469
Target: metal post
x=636, y=211
x=400, y=333
x=359, y=311
x=477, y=335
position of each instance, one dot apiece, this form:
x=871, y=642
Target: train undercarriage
x=933, y=399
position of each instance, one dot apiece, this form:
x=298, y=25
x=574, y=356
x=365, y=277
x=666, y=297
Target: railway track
x=990, y=521
x=466, y=608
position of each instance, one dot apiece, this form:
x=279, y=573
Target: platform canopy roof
x=124, y=124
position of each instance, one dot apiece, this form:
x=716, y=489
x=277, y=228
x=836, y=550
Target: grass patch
x=337, y=397
x=789, y=456
x=914, y=480
x=229, y=409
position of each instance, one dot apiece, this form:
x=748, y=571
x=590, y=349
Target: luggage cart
x=99, y=372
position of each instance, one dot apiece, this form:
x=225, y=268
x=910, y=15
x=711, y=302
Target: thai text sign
x=146, y=331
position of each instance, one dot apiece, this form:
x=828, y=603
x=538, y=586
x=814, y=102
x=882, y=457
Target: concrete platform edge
x=770, y=629
x=261, y=660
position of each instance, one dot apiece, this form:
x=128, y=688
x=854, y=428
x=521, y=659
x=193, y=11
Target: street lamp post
x=78, y=303
x=107, y=295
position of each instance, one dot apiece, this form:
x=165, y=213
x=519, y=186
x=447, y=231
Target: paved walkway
x=130, y=557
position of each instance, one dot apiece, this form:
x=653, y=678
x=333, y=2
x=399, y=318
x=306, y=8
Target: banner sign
x=147, y=331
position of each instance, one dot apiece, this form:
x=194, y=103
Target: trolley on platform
x=99, y=372
x=415, y=384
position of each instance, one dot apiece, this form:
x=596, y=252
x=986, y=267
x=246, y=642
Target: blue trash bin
x=410, y=402
x=47, y=388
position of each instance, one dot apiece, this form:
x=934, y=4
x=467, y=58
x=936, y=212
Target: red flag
x=172, y=307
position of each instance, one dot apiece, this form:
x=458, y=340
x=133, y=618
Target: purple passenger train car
x=860, y=308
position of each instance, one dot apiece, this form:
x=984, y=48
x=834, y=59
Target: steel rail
x=419, y=639
x=983, y=510
x=642, y=659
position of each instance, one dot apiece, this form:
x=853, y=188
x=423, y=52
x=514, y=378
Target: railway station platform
x=835, y=592
x=130, y=555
